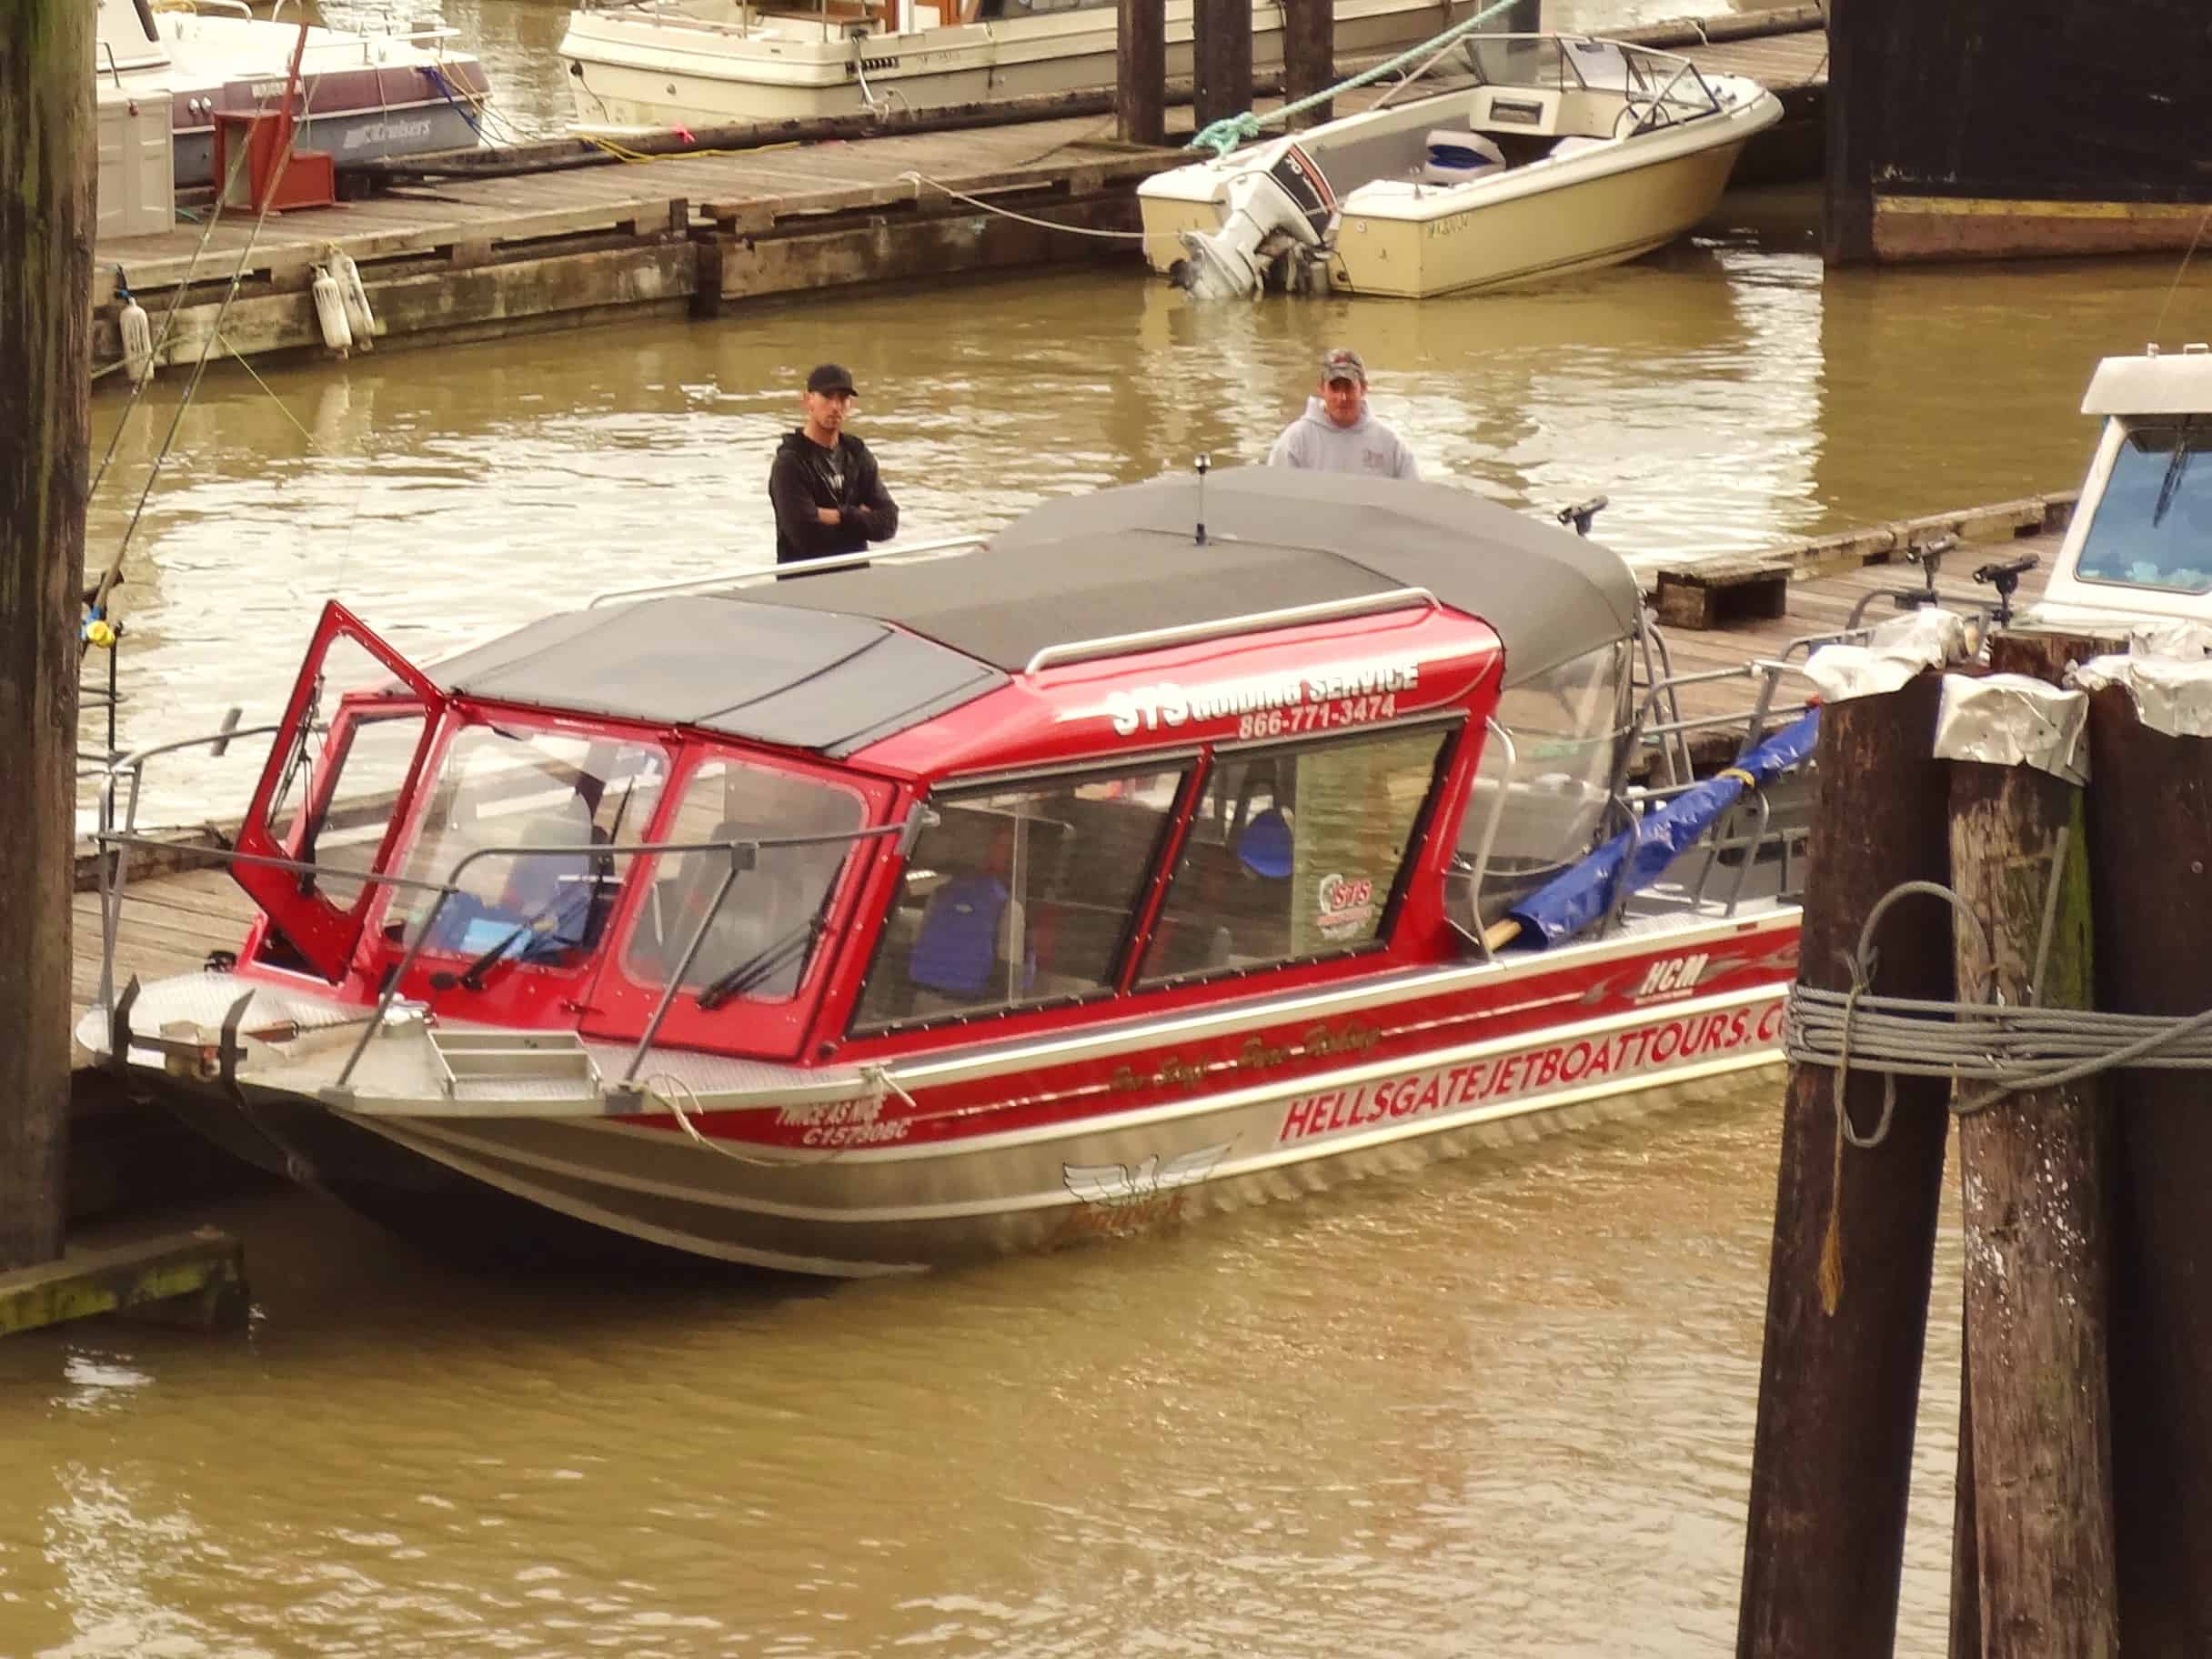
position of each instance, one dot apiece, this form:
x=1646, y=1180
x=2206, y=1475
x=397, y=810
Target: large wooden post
x=1857, y=31
x=1309, y=56
x=1221, y=53
x=1140, y=71
x=2150, y=825
x=45, y=356
x=2035, y=1172
x=1839, y=1389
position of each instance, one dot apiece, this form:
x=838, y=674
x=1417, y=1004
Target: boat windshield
x=559, y=792
x=1539, y=802
x=726, y=928
x=1562, y=62
x=2152, y=527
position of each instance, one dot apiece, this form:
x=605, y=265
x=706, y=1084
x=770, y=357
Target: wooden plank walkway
x=480, y=258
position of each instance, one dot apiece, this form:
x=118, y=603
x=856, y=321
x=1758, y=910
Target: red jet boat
x=1158, y=852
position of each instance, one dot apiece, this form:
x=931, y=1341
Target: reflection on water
x=1498, y=1407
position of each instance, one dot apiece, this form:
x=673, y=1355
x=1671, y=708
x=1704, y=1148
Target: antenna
x=1204, y=463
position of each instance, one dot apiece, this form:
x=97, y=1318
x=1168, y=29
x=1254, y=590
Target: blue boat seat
x=1454, y=157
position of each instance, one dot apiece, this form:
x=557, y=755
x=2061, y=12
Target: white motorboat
x=365, y=95
x=689, y=63
x=1567, y=154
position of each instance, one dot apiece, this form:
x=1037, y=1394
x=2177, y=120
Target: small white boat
x=666, y=62
x=365, y=95
x=1568, y=154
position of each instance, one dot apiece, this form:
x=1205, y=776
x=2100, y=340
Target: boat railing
x=390, y=1010
x=1189, y=633
x=754, y=576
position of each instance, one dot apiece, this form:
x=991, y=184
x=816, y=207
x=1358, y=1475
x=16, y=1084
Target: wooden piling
x=2035, y=1171
x=2150, y=825
x=1309, y=57
x=1839, y=1389
x=1221, y=59
x=1140, y=71
x=46, y=353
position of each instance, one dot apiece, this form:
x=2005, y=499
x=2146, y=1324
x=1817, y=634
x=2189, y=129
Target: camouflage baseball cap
x=1343, y=364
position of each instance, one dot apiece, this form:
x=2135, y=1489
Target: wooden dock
x=455, y=260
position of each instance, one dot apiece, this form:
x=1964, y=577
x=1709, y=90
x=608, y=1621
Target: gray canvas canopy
x=884, y=648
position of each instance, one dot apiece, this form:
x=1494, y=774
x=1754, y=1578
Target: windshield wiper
x=546, y=923
x=764, y=964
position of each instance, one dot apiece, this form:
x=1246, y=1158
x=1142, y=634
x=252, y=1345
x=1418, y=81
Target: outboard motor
x=1268, y=211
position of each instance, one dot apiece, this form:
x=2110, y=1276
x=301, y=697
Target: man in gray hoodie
x=1336, y=432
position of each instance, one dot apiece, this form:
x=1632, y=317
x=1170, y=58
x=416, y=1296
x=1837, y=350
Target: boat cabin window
x=559, y=793
x=1296, y=852
x=342, y=779
x=726, y=930
x=1019, y=893
x=373, y=746
x=1539, y=800
x=2152, y=527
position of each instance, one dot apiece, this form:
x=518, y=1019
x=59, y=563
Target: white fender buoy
x=137, y=332
x=351, y=289
x=330, y=312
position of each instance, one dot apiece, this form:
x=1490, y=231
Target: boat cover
x=1636, y=857
x=890, y=646
x=725, y=665
x=1128, y=560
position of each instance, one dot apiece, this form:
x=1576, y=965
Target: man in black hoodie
x=828, y=495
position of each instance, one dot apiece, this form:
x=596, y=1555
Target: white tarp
x=2014, y=719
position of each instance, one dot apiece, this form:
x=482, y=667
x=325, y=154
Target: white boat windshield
x=2152, y=525
x=1540, y=795
x=749, y=935
x=1568, y=64
x=505, y=786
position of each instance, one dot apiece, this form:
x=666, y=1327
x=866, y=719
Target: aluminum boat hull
x=974, y=1152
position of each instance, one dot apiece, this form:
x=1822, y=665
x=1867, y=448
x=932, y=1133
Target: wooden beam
x=1221, y=58
x=47, y=160
x=1839, y=1384
x=1309, y=56
x=195, y=1278
x=1140, y=71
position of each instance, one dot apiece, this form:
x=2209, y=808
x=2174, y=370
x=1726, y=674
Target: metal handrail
x=1184, y=633
x=133, y=765
x=754, y=576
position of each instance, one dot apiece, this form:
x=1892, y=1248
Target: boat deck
x=173, y=918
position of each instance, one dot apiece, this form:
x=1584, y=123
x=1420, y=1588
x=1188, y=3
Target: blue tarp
x=1635, y=858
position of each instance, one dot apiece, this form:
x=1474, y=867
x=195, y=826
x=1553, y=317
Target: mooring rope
x=2007, y=1049
x=919, y=179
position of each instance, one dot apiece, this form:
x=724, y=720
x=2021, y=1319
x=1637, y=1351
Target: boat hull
x=974, y=1153
x=636, y=70
x=1584, y=225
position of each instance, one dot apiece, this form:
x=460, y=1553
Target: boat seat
x=1455, y=157
x=969, y=930
x=1575, y=144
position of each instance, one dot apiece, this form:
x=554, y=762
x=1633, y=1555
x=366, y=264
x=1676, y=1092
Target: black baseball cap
x=829, y=378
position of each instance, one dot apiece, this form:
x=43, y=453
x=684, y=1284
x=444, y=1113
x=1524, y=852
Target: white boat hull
x=634, y=68
x=1383, y=223
x=1582, y=226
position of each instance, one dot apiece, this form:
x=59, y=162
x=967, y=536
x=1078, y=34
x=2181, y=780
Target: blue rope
x=1223, y=135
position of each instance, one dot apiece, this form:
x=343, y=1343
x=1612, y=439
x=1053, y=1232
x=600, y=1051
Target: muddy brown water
x=1503, y=1406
